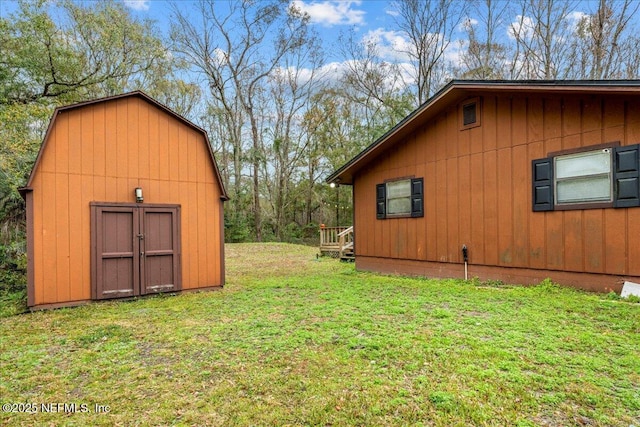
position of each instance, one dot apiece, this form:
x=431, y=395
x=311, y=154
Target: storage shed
x=124, y=199
x=537, y=179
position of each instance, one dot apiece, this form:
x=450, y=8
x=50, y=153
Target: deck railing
x=335, y=241
x=345, y=240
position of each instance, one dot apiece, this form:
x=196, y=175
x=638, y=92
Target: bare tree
x=542, y=33
x=292, y=87
x=429, y=26
x=237, y=46
x=604, y=45
x=485, y=56
x=372, y=82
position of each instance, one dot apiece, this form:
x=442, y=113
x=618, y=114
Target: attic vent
x=468, y=114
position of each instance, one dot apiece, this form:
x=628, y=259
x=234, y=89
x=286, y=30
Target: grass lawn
x=292, y=340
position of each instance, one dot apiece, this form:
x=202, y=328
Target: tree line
x=255, y=75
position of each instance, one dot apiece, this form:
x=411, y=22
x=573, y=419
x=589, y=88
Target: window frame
x=584, y=204
x=416, y=198
x=388, y=199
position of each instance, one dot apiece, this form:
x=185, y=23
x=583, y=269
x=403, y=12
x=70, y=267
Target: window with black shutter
x=400, y=198
x=596, y=177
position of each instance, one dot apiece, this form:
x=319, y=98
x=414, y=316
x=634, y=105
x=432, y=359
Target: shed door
x=135, y=250
x=161, y=261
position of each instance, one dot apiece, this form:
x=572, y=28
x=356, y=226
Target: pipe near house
x=465, y=257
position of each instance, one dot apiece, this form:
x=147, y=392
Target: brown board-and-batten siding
x=99, y=152
x=478, y=192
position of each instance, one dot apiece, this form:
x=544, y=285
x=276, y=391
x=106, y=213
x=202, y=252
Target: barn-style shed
x=538, y=179
x=124, y=199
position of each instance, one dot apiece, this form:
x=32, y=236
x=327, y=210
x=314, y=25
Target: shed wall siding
x=478, y=189
x=101, y=152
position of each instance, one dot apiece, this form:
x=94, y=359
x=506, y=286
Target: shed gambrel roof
x=138, y=94
x=458, y=90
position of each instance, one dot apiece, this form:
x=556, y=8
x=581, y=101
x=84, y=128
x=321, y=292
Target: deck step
x=337, y=242
x=348, y=255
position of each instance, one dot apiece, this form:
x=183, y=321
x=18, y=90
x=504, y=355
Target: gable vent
x=469, y=114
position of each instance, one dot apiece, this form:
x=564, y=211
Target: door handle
x=141, y=254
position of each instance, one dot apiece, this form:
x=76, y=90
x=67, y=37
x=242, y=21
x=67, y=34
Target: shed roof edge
x=140, y=94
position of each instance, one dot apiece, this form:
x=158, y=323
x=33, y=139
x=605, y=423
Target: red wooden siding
x=100, y=152
x=478, y=190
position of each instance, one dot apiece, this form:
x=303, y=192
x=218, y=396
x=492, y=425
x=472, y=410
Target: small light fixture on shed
x=139, y=198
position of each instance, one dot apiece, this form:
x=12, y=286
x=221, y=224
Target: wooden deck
x=337, y=242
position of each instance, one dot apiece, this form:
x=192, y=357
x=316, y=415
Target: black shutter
x=626, y=176
x=381, y=201
x=542, y=184
x=417, y=197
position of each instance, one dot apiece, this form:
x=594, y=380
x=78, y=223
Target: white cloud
x=140, y=5
x=523, y=28
x=221, y=56
x=328, y=72
x=455, y=51
x=330, y=13
x=391, y=45
x=575, y=18
x=391, y=12
x=467, y=23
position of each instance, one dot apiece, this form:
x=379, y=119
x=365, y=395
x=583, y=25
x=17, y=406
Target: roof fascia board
x=548, y=86
x=393, y=131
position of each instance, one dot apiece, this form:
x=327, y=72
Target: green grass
x=292, y=340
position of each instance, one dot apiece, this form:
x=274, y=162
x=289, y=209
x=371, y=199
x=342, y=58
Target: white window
x=399, y=197
x=584, y=177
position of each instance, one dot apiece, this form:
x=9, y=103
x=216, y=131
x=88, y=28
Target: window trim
x=416, y=198
x=578, y=150
x=582, y=204
x=386, y=199
x=471, y=101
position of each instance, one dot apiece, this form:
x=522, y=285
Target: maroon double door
x=135, y=249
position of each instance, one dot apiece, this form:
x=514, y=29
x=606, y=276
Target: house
x=124, y=199
x=537, y=179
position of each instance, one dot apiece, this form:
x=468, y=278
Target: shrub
x=13, y=266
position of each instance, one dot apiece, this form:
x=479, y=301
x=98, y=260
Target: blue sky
x=329, y=18
x=369, y=19
x=326, y=15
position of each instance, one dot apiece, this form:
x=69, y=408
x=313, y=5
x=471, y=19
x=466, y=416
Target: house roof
x=144, y=97
x=458, y=90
